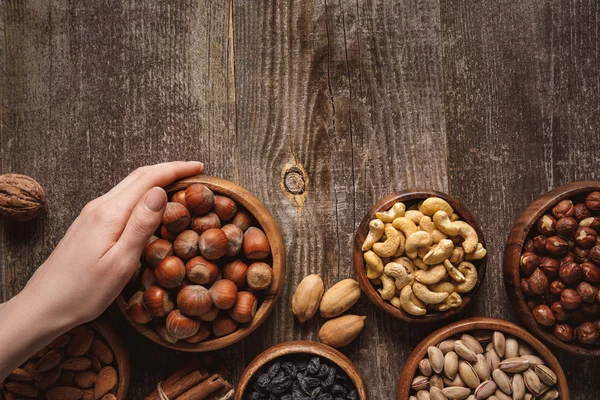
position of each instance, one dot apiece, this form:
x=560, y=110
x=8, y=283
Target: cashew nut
x=405, y=225
x=422, y=251
x=420, y=264
x=458, y=255
x=414, y=215
x=406, y=263
x=392, y=241
x=454, y=272
x=427, y=296
x=389, y=288
x=396, y=211
x=454, y=217
x=418, y=302
x=478, y=254
x=437, y=236
x=444, y=224
x=400, y=250
x=439, y=253
x=374, y=265
x=468, y=233
x=426, y=224
x=432, y=205
x=399, y=273
x=445, y=287
x=434, y=275
x=395, y=301
x=408, y=305
x=375, y=233
x=470, y=273
x=454, y=300
x=416, y=240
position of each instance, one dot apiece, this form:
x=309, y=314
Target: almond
x=339, y=298
x=49, y=361
x=21, y=375
x=22, y=389
x=76, y=364
x=47, y=379
x=85, y=379
x=307, y=297
x=60, y=341
x=107, y=380
x=66, y=378
x=96, y=365
x=339, y=332
x=102, y=352
x=64, y=393
x=88, y=394
x=81, y=343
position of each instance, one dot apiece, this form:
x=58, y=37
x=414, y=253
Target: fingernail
x=155, y=199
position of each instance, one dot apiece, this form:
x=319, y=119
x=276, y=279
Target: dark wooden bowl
x=121, y=356
x=410, y=197
x=512, y=255
x=271, y=229
x=301, y=346
x=470, y=324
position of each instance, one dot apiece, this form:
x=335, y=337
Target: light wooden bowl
x=512, y=255
x=271, y=229
x=410, y=197
x=472, y=324
x=300, y=347
x=123, y=365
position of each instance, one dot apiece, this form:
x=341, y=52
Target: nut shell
x=157, y=301
x=259, y=276
x=156, y=251
x=170, y=272
x=255, y=244
x=194, y=300
x=213, y=243
x=136, y=310
x=21, y=197
x=235, y=236
x=200, y=270
x=205, y=222
x=340, y=331
x=242, y=219
x=224, y=207
x=176, y=217
x=224, y=294
x=224, y=325
x=245, y=307
x=179, y=197
x=592, y=201
x=179, y=326
x=185, y=245
x=236, y=271
x=307, y=297
x=199, y=198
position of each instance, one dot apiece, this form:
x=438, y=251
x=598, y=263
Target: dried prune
x=280, y=384
x=274, y=369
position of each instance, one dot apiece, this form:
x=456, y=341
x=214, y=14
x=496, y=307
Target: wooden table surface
x=319, y=108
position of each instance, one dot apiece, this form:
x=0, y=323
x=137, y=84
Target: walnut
x=21, y=197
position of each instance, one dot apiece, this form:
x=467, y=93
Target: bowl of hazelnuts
x=212, y=272
x=552, y=268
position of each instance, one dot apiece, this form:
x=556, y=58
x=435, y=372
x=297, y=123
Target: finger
x=142, y=223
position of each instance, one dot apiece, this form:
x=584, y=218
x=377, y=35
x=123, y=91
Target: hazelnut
x=201, y=335
x=210, y=315
x=581, y=255
x=213, y=243
x=259, y=276
x=566, y=226
x=564, y=208
x=176, y=217
x=136, y=310
x=244, y=309
x=546, y=225
x=556, y=246
x=538, y=282
x=235, y=236
x=179, y=197
x=550, y=266
x=242, y=219
x=556, y=287
x=170, y=272
x=528, y=246
x=543, y=315
x=224, y=325
x=570, y=273
x=525, y=287
x=591, y=272
x=224, y=294
x=156, y=251
x=569, y=257
x=580, y=211
x=185, y=245
x=167, y=234
x=592, y=201
x=200, y=270
x=205, y=222
x=157, y=301
x=585, y=237
x=236, y=271
x=529, y=262
x=148, y=278
x=570, y=299
x=179, y=326
x=564, y=332
x=586, y=333
x=559, y=311
x=161, y=330
x=194, y=300
x=256, y=244
x=224, y=207
x=590, y=309
x=539, y=244
x=587, y=292
x=199, y=198
x=594, y=254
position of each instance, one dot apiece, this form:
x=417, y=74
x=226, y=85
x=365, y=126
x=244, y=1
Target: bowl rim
x=121, y=355
x=265, y=219
x=409, y=195
x=512, y=254
x=471, y=324
x=299, y=347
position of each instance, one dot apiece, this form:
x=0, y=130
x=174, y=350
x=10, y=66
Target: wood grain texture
x=320, y=108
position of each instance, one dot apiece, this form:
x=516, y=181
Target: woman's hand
x=91, y=264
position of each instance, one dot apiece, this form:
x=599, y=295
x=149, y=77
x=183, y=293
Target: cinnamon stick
x=190, y=365
x=205, y=388
x=184, y=384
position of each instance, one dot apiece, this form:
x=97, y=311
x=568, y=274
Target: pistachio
x=492, y=359
x=307, y=297
x=545, y=374
x=436, y=381
x=464, y=351
x=425, y=367
x=499, y=342
x=518, y=387
x=511, y=348
x=533, y=359
x=500, y=395
x=457, y=381
x=339, y=298
x=451, y=364
x=502, y=380
x=423, y=395
x=419, y=383
x=436, y=358
x=515, y=364
x=532, y=382
x=446, y=345
x=456, y=392
x=482, y=367
x=485, y=389
x=483, y=336
x=549, y=395
x=468, y=374
x=525, y=350
x=436, y=393
x=472, y=343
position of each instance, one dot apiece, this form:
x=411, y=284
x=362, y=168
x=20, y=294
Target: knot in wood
x=294, y=181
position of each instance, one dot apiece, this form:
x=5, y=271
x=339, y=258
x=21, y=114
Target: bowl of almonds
x=552, y=268
x=88, y=362
x=419, y=255
x=482, y=358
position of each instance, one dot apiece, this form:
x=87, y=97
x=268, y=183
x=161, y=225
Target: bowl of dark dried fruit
x=552, y=268
x=298, y=370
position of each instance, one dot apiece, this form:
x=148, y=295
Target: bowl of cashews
x=419, y=255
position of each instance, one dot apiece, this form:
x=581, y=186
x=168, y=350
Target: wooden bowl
x=271, y=229
x=470, y=324
x=123, y=365
x=512, y=255
x=410, y=197
x=301, y=346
